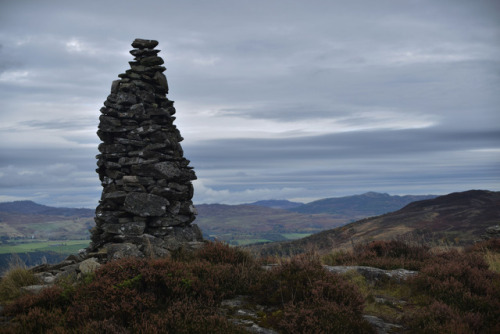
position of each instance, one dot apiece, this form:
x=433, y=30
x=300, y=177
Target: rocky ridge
x=145, y=207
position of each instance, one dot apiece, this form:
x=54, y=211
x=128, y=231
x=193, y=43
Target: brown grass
x=14, y=278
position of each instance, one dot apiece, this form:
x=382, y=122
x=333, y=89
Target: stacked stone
x=146, y=204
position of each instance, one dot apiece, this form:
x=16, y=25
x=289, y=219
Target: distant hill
x=27, y=219
x=251, y=223
x=262, y=221
x=32, y=208
x=359, y=206
x=454, y=219
x=277, y=204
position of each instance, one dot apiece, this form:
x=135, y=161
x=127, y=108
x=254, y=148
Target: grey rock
x=144, y=43
x=162, y=80
x=381, y=326
x=145, y=205
x=130, y=228
x=117, y=251
x=143, y=53
x=151, y=61
x=89, y=266
x=46, y=277
x=124, y=98
x=35, y=289
x=114, y=86
x=373, y=274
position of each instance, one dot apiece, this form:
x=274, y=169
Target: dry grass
x=493, y=260
x=14, y=278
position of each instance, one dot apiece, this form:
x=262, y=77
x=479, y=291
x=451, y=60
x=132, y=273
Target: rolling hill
x=27, y=219
x=277, y=204
x=32, y=208
x=268, y=220
x=241, y=224
x=359, y=206
x=454, y=219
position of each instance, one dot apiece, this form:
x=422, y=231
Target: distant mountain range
x=454, y=219
x=277, y=204
x=269, y=220
x=32, y=208
x=275, y=220
x=364, y=205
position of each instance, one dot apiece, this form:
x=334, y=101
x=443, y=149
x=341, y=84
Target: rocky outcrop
x=372, y=274
x=145, y=207
x=492, y=232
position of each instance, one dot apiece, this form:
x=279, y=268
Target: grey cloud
x=368, y=144
x=286, y=62
x=62, y=124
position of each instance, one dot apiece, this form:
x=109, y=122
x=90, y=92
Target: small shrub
x=218, y=252
x=490, y=249
x=463, y=283
x=311, y=299
x=491, y=245
x=49, y=298
x=184, y=317
x=493, y=260
x=41, y=320
x=13, y=280
x=338, y=258
x=392, y=254
x=441, y=318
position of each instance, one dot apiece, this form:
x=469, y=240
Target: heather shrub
x=463, y=283
x=218, y=252
x=490, y=249
x=490, y=244
x=41, y=320
x=310, y=299
x=392, y=254
x=50, y=298
x=441, y=318
x=169, y=295
x=338, y=258
x=184, y=316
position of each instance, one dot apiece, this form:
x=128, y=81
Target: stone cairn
x=145, y=207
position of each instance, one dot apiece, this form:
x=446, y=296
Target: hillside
x=240, y=224
x=32, y=208
x=454, y=219
x=262, y=221
x=277, y=204
x=359, y=206
x=27, y=219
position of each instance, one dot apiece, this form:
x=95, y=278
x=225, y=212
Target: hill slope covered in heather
x=360, y=206
x=454, y=219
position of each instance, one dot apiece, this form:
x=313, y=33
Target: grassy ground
x=58, y=246
x=293, y=236
x=244, y=242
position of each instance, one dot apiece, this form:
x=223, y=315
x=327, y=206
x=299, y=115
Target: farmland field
x=57, y=246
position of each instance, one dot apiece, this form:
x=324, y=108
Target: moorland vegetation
x=455, y=291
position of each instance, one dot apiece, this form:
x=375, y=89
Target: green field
x=58, y=246
x=293, y=236
x=244, y=242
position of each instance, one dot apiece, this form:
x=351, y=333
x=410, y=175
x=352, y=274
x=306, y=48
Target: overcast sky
x=295, y=100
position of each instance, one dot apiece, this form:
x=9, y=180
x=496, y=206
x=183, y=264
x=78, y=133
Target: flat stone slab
x=372, y=273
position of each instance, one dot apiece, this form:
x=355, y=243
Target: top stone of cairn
x=144, y=43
